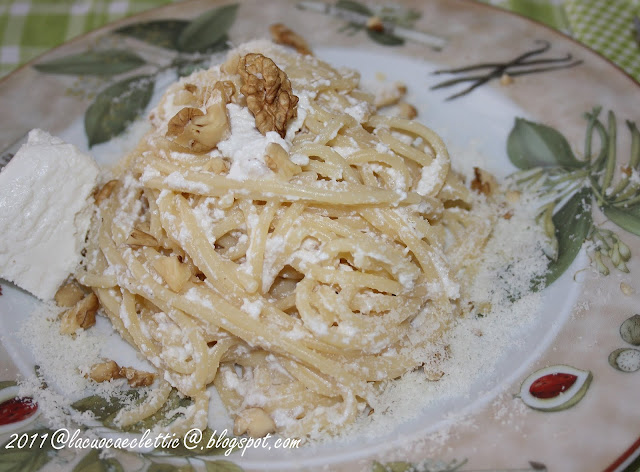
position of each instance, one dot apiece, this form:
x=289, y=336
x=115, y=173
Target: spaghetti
x=296, y=272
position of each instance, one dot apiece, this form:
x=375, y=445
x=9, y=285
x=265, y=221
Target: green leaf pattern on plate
x=30, y=458
x=161, y=33
x=572, y=222
x=550, y=167
x=101, y=63
x=163, y=467
x=424, y=466
x=7, y=384
x=222, y=466
x=116, y=107
x=627, y=218
x=532, y=145
x=206, y=30
x=393, y=15
x=124, y=100
x=93, y=463
x=105, y=408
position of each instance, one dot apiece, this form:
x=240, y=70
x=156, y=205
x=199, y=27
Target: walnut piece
x=68, y=295
x=268, y=92
x=512, y=196
x=506, y=79
x=483, y=182
x=285, y=36
x=374, y=23
x=255, y=422
x=174, y=272
x=406, y=110
x=81, y=315
x=105, y=371
x=277, y=159
x=109, y=370
x=201, y=132
x=137, y=378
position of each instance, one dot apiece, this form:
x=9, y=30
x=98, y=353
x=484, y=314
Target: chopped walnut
x=68, y=295
x=277, y=159
x=483, y=182
x=375, y=24
x=506, y=79
x=82, y=315
x=217, y=165
x=105, y=371
x=283, y=35
x=201, y=132
x=109, y=370
x=137, y=378
x=226, y=89
x=174, y=272
x=141, y=238
x=268, y=92
x=105, y=192
x=255, y=422
x=406, y=111
x=512, y=196
x=176, y=125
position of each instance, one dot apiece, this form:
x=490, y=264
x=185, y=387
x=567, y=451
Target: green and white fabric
x=607, y=27
x=604, y=25
x=28, y=28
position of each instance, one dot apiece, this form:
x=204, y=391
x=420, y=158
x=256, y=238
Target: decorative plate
x=506, y=94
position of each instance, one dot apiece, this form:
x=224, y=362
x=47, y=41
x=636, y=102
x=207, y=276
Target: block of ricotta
x=46, y=204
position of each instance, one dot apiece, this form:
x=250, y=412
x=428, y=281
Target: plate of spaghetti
x=319, y=236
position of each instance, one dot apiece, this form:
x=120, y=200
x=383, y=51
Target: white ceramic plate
x=481, y=426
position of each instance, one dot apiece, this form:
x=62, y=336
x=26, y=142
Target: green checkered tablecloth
x=604, y=25
x=30, y=27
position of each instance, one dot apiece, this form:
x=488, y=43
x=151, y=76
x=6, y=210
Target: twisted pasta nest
x=298, y=289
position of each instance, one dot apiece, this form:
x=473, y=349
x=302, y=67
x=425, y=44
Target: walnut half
x=81, y=315
x=201, y=132
x=268, y=91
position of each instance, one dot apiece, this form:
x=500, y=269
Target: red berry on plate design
x=17, y=409
x=555, y=388
x=552, y=385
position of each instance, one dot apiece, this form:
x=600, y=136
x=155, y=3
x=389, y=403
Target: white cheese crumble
x=45, y=211
x=246, y=146
x=429, y=177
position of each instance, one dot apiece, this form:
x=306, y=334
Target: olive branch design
x=570, y=187
x=127, y=80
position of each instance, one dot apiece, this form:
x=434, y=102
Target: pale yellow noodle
x=305, y=287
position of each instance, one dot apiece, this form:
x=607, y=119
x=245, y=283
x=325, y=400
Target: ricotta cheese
x=45, y=211
x=246, y=146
